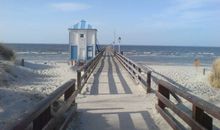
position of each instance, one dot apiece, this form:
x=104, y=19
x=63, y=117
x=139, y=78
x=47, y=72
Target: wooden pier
x=112, y=100
x=114, y=93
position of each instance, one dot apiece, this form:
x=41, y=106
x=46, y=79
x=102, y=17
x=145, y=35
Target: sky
x=137, y=22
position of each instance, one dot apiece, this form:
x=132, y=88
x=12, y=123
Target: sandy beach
x=23, y=87
x=191, y=79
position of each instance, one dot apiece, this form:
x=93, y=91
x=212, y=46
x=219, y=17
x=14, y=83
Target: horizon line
x=50, y=43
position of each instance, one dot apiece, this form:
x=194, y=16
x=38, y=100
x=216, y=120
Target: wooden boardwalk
x=111, y=100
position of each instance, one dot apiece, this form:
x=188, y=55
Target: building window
x=81, y=35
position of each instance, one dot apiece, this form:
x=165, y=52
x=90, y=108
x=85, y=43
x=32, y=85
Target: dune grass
x=197, y=62
x=215, y=75
x=6, y=53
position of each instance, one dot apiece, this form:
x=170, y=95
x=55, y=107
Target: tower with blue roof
x=82, y=41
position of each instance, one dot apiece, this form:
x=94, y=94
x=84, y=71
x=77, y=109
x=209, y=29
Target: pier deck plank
x=111, y=100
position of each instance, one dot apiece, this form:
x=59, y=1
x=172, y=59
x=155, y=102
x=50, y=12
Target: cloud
x=70, y=6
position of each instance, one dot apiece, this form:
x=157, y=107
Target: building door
x=89, y=52
x=73, y=52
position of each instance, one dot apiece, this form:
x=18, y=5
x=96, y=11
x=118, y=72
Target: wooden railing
x=42, y=116
x=202, y=112
x=136, y=71
x=86, y=70
x=199, y=117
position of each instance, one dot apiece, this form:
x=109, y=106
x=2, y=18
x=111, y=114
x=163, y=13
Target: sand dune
x=22, y=87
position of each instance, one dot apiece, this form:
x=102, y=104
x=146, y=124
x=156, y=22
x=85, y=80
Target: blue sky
x=143, y=22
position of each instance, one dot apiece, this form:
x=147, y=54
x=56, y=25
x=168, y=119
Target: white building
x=82, y=41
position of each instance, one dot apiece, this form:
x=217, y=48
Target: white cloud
x=70, y=6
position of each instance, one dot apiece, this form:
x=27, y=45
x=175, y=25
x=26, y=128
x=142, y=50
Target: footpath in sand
x=111, y=100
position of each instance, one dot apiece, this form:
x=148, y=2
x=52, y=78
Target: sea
x=166, y=55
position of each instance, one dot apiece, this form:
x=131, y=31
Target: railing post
x=78, y=79
x=86, y=75
x=40, y=122
x=165, y=92
x=114, y=53
x=69, y=92
x=203, y=71
x=74, y=89
x=148, y=81
x=22, y=62
x=201, y=117
x=139, y=70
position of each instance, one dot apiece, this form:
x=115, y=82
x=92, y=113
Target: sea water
x=177, y=55
x=41, y=52
x=169, y=55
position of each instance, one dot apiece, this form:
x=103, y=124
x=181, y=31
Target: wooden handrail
x=206, y=106
x=202, y=111
x=85, y=66
x=84, y=72
x=136, y=72
x=41, y=114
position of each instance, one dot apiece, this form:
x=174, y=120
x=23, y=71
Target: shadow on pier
x=116, y=120
x=110, y=68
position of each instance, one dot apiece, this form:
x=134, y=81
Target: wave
x=170, y=53
x=41, y=53
x=206, y=53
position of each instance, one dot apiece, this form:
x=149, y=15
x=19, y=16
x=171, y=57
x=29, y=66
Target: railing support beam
x=165, y=92
x=42, y=119
x=78, y=79
x=201, y=117
x=148, y=81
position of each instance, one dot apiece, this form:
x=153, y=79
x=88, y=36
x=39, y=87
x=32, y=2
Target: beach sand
x=23, y=87
x=192, y=80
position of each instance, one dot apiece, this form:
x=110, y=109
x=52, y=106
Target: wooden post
x=22, y=62
x=139, y=70
x=78, y=79
x=74, y=104
x=203, y=71
x=148, y=81
x=42, y=120
x=134, y=66
x=69, y=92
x=201, y=117
x=165, y=92
x=74, y=89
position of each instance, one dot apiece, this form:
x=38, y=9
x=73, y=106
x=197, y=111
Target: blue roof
x=82, y=25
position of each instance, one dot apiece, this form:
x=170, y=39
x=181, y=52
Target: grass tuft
x=6, y=53
x=197, y=62
x=215, y=75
